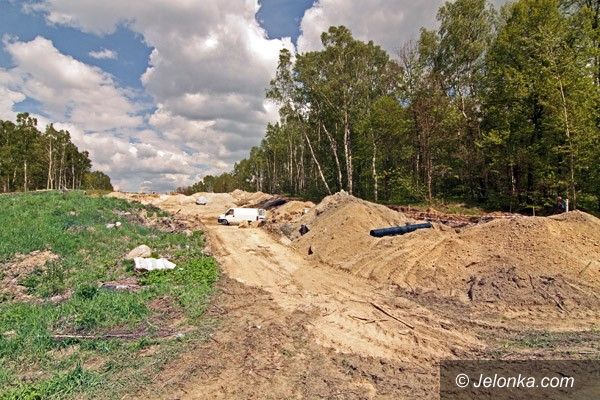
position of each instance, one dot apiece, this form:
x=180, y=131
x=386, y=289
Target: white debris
x=115, y=225
x=152, y=264
x=201, y=201
x=140, y=251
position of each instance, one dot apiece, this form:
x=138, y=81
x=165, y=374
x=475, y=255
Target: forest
x=499, y=108
x=32, y=160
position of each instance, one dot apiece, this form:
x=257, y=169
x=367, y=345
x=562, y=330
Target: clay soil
x=364, y=318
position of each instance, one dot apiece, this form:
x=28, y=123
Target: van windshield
x=229, y=212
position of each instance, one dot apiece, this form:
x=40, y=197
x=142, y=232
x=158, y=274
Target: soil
x=260, y=352
x=372, y=318
x=242, y=198
x=525, y=261
x=16, y=270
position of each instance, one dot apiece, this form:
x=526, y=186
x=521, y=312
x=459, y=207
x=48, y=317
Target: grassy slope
x=33, y=364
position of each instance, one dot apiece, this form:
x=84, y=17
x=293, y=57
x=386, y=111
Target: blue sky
x=162, y=93
x=133, y=52
x=280, y=18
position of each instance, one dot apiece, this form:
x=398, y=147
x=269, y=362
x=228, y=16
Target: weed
x=536, y=340
x=73, y=226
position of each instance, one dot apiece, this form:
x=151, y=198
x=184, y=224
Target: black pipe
x=399, y=230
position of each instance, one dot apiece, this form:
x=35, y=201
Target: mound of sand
x=290, y=211
x=339, y=227
x=243, y=198
x=524, y=261
x=144, y=198
x=118, y=195
x=173, y=200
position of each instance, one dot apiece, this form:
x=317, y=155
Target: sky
x=164, y=92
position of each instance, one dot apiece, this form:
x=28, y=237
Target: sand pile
x=522, y=261
x=339, y=227
x=119, y=195
x=144, y=198
x=173, y=200
x=243, y=198
x=290, y=211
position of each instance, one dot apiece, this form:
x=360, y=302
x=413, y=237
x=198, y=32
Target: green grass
x=535, y=340
x=36, y=365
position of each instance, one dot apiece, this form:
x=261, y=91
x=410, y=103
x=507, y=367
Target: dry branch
x=380, y=308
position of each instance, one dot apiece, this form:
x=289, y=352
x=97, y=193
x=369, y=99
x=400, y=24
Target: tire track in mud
x=292, y=326
x=344, y=318
x=334, y=310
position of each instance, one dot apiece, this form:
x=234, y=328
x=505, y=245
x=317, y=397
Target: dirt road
x=291, y=328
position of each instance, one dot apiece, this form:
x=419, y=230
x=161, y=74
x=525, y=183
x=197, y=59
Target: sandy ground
x=290, y=326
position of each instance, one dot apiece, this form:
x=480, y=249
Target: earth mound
x=243, y=198
x=520, y=261
x=339, y=227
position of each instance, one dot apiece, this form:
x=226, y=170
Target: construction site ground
x=294, y=324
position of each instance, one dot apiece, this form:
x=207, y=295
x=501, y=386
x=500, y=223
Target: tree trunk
x=348, y=151
x=374, y=166
x=429, y=179
x=333, y=145
x=302, y=171
x=572, y=185
x=513, y=184
x=291, y=163
x=49, y=182
x=25, y=176
x=312, y=152
x=60, y=169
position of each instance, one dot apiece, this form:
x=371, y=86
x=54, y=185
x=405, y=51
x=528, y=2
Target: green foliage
x=216, y=184
x=499, y=109
x=72, y=226
x=30, y=159
x=541, y=104
x=60, y=386
x=96, y=180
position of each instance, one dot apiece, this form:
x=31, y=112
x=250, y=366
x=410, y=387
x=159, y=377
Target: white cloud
x=208, y=71
x=69, y=89
x=101, y=117
x=207, y=74
x=389, y=23
x=104, y=54
x=8, y=97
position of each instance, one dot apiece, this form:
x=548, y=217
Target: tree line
x=33, y=160
x=495, y=107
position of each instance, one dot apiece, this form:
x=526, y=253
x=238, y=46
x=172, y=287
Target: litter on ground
x=152, y=264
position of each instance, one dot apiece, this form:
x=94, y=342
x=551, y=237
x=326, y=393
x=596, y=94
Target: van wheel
x=225, y=222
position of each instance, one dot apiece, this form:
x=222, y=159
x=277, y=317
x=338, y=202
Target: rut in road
x=339, y=335
x=294, y=325
x=345, y=316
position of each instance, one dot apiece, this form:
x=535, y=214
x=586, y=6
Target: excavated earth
x=337, y=313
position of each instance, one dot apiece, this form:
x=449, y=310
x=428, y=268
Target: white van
x=237, y=215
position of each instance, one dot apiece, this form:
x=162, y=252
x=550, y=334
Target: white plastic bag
x=152, y=264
